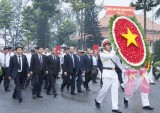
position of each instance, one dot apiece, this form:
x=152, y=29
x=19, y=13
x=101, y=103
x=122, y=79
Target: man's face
x=5, y=51
x=46, y=50
x=95, y=53
x=71, y=50
x=88, y=51
x=108, y=47
x=40, y=50
x=19, y=51
x=53, y=51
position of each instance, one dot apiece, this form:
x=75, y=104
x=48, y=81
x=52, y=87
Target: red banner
x=95, y=47
x=116, y=10
x=58, y=49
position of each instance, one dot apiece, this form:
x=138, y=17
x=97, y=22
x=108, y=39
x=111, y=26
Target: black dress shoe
x=148, y=108
x=39, y=96
x=34, y=96
x=125, y=102
x=80, y=91
x=94, y=81
x=72, y=93
x=49, y=93
x=152, y=83
x=55, y=95
x=20, y=100
x=88, y=89
x=14, y=97
x=7, y=90
x=116, y=111
x=61, y=90
x=97, y=104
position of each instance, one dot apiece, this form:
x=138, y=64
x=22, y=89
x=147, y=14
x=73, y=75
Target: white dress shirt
x=94, y=60
x=5, y=61
x=28, y=55
x=21, y=62
x=62, y=58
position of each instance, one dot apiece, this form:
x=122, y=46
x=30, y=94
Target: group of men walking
x=23, y=67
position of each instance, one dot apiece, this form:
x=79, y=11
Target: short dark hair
x=5, y=48
x=19, y=47
x=9, y=48
x=38, y=47
x=87, y=49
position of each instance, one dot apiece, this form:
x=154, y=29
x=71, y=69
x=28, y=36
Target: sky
x=124, y=3
x=114, y=2
x=119, y=3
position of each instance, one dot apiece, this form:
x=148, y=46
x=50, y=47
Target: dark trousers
x=66, y=81
x=37, y=81
x=69, y=80
x=5, y=77
x=94, y=73
x=19, y=79
x=46, y=79
x=52, y=78
x=88, y=78
x=119, y=73
x=79, y=81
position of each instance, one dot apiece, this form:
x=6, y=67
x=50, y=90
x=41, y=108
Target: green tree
x=78, y=7
x=66, y=32
x=157, y=14
x=145, y=5
x=29, y=25
x=5, y=14
x=45, y=9
x=91, y=24
x=157, y=51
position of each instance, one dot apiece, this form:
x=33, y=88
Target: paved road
x=81, y=103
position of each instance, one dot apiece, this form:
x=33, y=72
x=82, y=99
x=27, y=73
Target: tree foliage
x=66, y=32
x=41, y=12
x=156, y=51
x=29, y=24
x=91, y=24
x=6, y=11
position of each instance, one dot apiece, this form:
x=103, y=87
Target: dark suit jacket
x=68, y=63
x=53, y=65
x=87, y=63
x=79, y=67
x=35, y=65
x=13, y=66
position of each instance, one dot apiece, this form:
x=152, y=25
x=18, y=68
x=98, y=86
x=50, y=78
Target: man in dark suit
x=37, y=70
x=79, y=70
x=18, y=67
x=53, y=68
x=69, y=71
x=87, y=68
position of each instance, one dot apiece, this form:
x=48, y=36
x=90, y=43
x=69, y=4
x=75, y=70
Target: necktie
x=4, y=60
x=89, y=57
x=40, y=60
x=73, y=60
x=19, y=63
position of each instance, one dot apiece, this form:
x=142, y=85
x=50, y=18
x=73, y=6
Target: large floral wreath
x=129, y=40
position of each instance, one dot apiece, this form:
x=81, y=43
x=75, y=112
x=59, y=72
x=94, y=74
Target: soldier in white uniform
x=109, y=76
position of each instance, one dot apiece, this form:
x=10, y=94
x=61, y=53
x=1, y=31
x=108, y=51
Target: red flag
x=95, y=47
x=58, y=49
